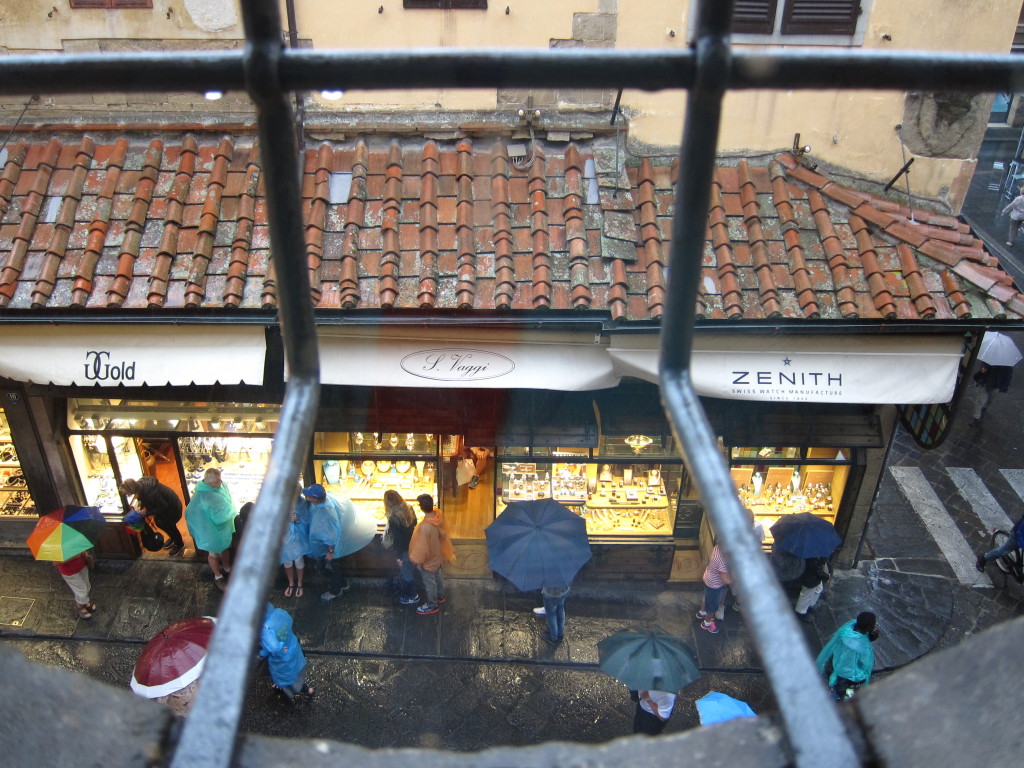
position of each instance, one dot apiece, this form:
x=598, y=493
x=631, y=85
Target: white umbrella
x=997, y=349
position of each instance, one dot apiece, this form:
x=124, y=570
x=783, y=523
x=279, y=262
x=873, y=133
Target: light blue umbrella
x=718, y=707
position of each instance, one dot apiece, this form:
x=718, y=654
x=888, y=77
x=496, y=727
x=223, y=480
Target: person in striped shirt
x=716, y=580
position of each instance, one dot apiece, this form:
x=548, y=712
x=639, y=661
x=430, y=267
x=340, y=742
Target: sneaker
x=328, y=596
x=474, y=482
x=221, y=582
x=804, y=617
x=168, y=544
x=413, y=600
x=709, y=626
x=980, y=564
x=542, y=611
x=442, y=600
x=720, y=613
x=549, y=639
x=1010, y=243
x=176, y=551
x=701, y=615
x=423, y=610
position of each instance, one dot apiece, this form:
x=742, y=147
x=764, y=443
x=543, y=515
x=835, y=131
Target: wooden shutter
x=820, y=17
x=754, y=17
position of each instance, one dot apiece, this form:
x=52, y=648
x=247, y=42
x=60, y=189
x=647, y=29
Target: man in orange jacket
x=429, y=548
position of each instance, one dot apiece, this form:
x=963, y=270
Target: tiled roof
x=181, y=222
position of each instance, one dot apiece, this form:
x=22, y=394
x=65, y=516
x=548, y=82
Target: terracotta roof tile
x=180, y=222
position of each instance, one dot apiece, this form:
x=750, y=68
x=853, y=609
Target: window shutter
x=446, y=4
x=754, y=17
x=110, y=4
x=820, y=17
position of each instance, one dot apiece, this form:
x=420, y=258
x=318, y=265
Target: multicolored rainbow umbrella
x=66, y=532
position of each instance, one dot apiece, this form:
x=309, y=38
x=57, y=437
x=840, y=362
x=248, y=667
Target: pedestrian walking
x=75, y=572
x=554, y=612
x=990, y=378
x=848, y=657
x=281, y=648
x=160, y=502
x=295, y=548
x=1013, y=541
x=716, y=580
x=429, y=548
x=1016, y=210
x=653, y=709
x=325, y=536
x=812, y=584
x=210, y=518
x=397, y=536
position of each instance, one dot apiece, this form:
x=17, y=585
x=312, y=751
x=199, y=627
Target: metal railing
x=707, y=70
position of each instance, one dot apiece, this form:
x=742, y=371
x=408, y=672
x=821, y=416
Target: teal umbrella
x=718, y=707
x=648, y=660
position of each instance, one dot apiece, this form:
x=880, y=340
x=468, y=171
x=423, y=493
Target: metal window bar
x=269, y=73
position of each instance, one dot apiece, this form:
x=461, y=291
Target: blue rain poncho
x=325, y=527
x=210, y=517
x=296, y=540
x=851, y=653
x=280, y=646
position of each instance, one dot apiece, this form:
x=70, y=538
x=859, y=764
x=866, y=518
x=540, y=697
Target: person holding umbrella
x=171, y=663
x=653, y=709
x=66, y=536
x=998, y=354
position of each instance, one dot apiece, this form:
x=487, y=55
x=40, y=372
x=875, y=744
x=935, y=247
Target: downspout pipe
x=293, y=44
x=813, y=727
x=208, y=736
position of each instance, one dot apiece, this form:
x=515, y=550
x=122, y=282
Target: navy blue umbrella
x=805, y=535
x=537, y=544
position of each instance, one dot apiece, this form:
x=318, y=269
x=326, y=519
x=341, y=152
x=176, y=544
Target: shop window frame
x=111, y=5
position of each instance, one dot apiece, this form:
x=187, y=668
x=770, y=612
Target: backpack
x=151, y=540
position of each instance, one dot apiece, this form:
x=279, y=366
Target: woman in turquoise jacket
x=281, y=648
x=851, y=655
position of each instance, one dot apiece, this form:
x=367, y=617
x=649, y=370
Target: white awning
x=901, y=370
x=449, y=357
x=133, y=355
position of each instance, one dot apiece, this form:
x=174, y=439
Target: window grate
x=708, y=70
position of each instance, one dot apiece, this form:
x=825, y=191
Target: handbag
x=388, y=539
x=151, y=540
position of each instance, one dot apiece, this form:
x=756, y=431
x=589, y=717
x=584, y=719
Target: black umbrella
x=537, y=544
x=804, y=534
x=648, y=660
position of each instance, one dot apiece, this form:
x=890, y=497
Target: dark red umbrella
x=173, y=658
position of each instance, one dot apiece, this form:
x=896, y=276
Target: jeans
x=554, y=609
x=1008, y=546
x=407, y=578
x=337, y=583
x=433, y=584
x=712, y=599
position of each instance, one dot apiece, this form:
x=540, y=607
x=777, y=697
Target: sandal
x=92, y=607
x=289, y=591
x=298, y=591
x=83, y=612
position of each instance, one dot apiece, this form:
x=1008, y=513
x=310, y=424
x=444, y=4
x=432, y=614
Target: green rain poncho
x=210, y=517
x=851, y=653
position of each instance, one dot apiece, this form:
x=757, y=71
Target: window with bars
x=797, y=17
x=110, y=5
x=446, y=4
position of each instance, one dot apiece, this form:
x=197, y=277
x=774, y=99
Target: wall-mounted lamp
x=213, y=95
x=799, y=150
x=215, y=422
x=331, y=95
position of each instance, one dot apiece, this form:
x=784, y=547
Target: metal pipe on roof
x=812, y=724
x=209, y=735
x=646, y=69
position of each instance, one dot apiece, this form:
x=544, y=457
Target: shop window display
x=14, y=496
x=614, y=498
x=93, y=455
x=241, y=460
x=781, y=481
x=362, y=465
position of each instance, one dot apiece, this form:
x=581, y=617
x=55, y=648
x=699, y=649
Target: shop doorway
x=469, y=504
x=160, y=461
